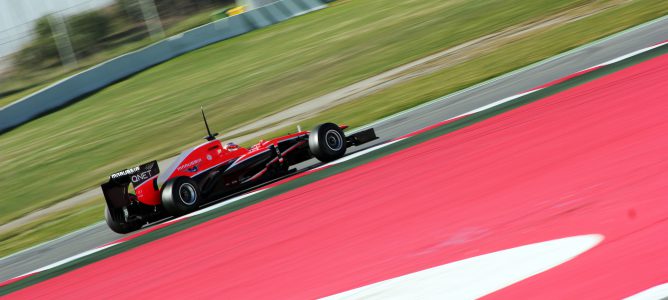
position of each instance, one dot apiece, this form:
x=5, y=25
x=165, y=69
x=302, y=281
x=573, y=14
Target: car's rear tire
x=116, y=225
x=327, y=142
x=180, y=196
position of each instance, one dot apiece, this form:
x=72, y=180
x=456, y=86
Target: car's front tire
x=327, y=142
x=180, y=196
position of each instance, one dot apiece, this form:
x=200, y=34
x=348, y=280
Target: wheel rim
x=334, y=140
x=188, y=194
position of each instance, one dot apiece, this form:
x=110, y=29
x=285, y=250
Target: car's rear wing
x=116, y=189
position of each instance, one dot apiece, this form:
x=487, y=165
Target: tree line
x=92, y=31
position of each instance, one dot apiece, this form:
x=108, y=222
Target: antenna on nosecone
x=210, y=136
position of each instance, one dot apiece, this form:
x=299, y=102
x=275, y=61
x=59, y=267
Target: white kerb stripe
x=657, y=292
x=477, y=276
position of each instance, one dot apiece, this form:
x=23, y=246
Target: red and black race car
x=212, y=170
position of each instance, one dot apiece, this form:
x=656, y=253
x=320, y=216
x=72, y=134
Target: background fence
x=79, y=85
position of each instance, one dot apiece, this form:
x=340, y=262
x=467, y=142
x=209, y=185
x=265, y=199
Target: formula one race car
x=212, y=170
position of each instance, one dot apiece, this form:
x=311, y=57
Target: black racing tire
x=180, y=195
x=327, y=142
x=119, y=226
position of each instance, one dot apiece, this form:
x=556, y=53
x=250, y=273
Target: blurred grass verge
x=521, y=52
x=51, y=226
x=154, y=114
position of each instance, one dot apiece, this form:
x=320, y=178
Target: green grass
x=509, y=57
x=155, y=113
x=51, y=226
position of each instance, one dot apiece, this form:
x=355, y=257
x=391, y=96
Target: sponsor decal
x=145, y=172
x=209, y=157
x=124, y=172
x=141, y=177
x=190, y=165
x=149, y=166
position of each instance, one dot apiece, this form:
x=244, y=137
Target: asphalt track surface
x=395, y=126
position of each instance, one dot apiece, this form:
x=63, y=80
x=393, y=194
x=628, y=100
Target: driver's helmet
x=231, y=147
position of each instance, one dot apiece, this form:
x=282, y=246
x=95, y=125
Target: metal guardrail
x=75, y=87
